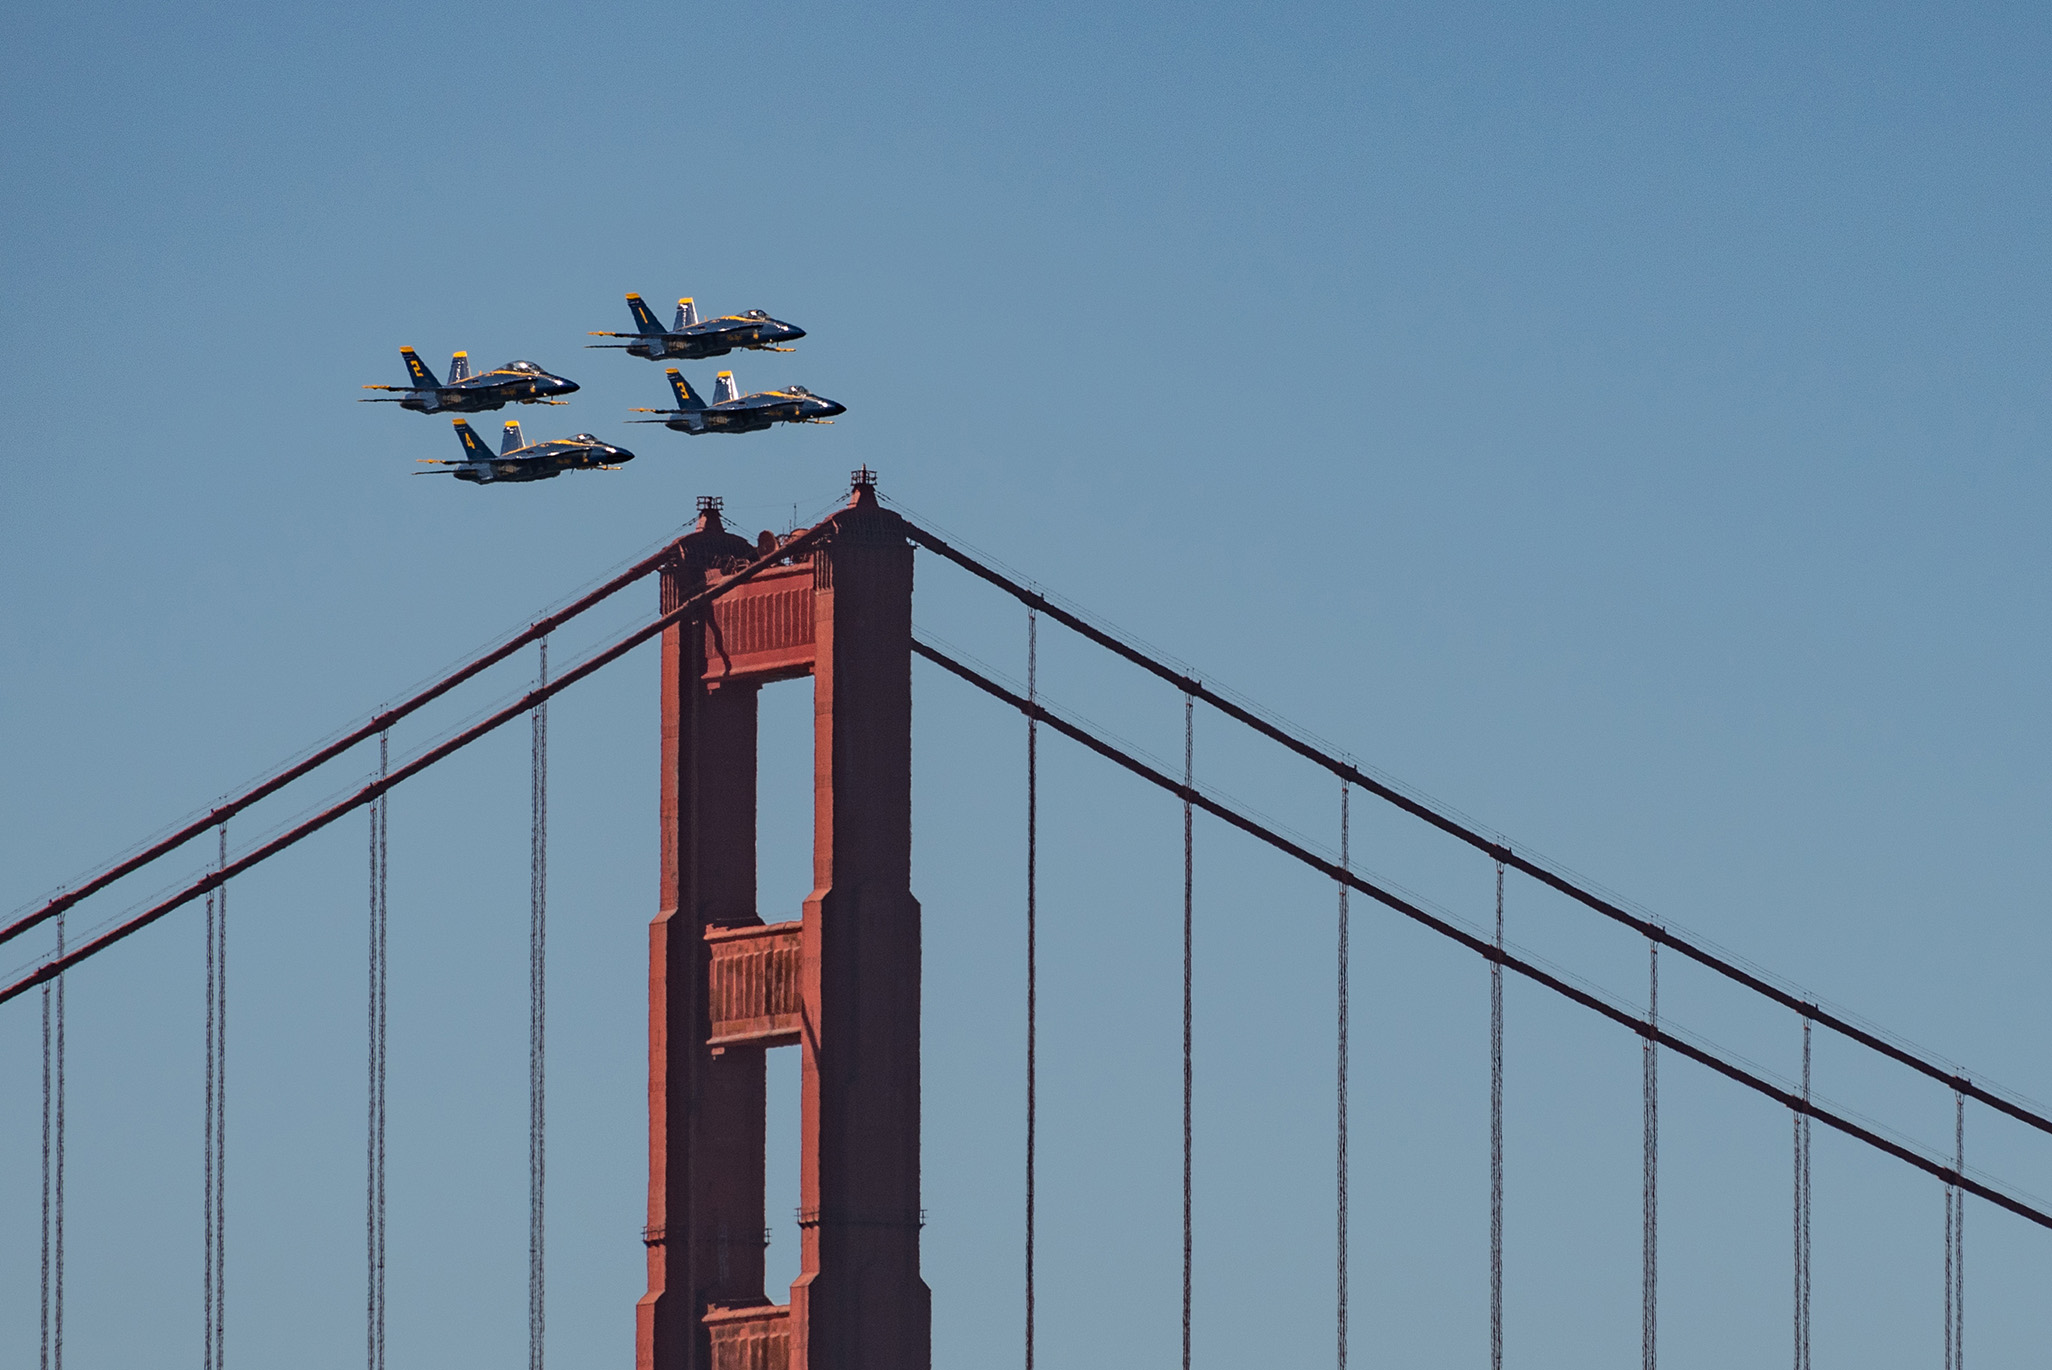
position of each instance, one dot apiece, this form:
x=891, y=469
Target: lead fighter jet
x=690, y=339
x=512, y=383
x=517, y=460
x=733, y=412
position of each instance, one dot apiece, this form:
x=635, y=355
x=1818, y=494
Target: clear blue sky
x=1625, y=424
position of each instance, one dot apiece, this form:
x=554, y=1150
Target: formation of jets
x=689, y=338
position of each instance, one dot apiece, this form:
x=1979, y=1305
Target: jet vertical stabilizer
x=459, y=367
x=724, y=388
x=511, y=441
x=474, y=448
x=644, y=317
x=416, y=370
x=686, y=398
x=687, y=315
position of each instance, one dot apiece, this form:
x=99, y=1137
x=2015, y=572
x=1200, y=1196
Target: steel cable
x=1955, y=1245
x=1346, y=857
x=1032, y=951
x=1189, y=946
x=1496, y=1139
x=537, y=1023
x=1682, y=1046
x=50, y=1342
x=1802, y=1215
x=1493, y=846
x=1649, y=1314
x=374, y=1139
x=214, y=1246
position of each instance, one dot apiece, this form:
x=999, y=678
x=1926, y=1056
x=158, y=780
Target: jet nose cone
x=833, y=408
x=793, y=331
x=618, y=454
x=563, y=387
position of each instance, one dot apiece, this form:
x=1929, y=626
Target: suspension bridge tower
x=840, y=982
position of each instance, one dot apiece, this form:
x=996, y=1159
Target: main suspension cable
x=689, y=607
x=1681, y=1046
x=1494, y=846
x=1189, y=947
x=1032, y=951
x=1346, y=858
x=1496, y=1139
x=537, y=1023
x=1649, y=1316
x=374, y=1140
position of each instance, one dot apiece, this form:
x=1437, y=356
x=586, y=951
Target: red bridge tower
x=841, y=983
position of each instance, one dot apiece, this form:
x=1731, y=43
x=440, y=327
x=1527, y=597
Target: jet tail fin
x=459, y=367
x=687, y=315
x=474, y=448
x=724, y=388
x=686, y=397
x=511, y=439
x=416, y=370
x=644, y=317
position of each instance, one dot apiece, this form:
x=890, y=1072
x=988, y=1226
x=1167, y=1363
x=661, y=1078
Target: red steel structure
x=840, y=982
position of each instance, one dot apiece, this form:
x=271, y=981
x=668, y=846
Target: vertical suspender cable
x=207, y=1163
x=1955, y=1244
x=1346, y=861
x=374, y=1139
x=1496, y=1140
x=1802, y=1215
x=1032, y=948
x=219, y=1015
x=1189, y=777
x=537, y=984
x=1649, y=1328
x=51, y=1342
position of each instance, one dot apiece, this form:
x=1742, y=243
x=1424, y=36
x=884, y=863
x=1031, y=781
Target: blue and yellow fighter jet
x=518, y=460
x=691, y=339
x=733, y=412
x=512, y=383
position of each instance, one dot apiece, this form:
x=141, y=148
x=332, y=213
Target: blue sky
x=1623, y=424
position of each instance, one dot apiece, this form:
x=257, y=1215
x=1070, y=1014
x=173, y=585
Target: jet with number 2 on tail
x=691, y=339
x=512, y=383
x=518, y=460
x=733, y=412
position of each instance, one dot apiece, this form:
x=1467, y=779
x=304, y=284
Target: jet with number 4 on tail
x=691, y=339
x=518, y=460
x=512, y=383
x=733, y=412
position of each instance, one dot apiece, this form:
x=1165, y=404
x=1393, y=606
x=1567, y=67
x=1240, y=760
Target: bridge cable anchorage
x=1032, y=949
x=51, y=1300
x=537, y=1023
x=1481, y=842
x=374, y=1140
x=1340, y=1030
x=1189, y=948
x=690, y=607
x=1730, y=1070
x=379, y=723
x=1649, y=1324
x=1801, y=1263
x=1955, y=1243
x=1496, y=1137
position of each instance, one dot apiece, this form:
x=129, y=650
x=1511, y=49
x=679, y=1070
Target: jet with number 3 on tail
x=691, y=339
x=518, y=460
x=733, y=412
x=512, y=383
